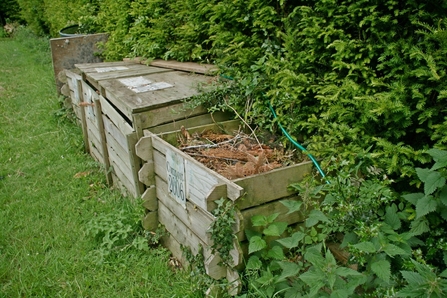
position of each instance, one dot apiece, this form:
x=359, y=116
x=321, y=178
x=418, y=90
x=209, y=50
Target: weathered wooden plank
x=265, y=187
x=102, y=141
x=146, y=174
x=217, y=192
x=186, y=237
x=117, y=134
x=195, y=218
x=150, y=221
x=228, y=127
x=185, y=66
x=143, y=148
x=130, y=102
x=117, y=169
x=192, y=122
x=115, y=117
x=119, y=161
x=149, y=197
x=235, y=283
x=163, y=115
x=135, y=162
x=112, y=71
x=83, y=116
x=268, y=209
x=233, y=191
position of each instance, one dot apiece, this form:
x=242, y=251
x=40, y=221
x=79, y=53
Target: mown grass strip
x=50, y=191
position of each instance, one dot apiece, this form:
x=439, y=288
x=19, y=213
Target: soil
x=236, y=156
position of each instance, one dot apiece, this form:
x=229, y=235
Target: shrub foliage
x=364, y=85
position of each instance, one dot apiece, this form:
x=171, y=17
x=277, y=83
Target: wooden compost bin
x=88, y=107
x=187, y=215
x=130, y=100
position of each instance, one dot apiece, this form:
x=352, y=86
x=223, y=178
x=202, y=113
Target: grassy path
x=45, y=210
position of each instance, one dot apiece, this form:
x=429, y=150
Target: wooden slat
x=150, y=221
x=182, y=234
x=133, y=70
x=117, y=134
x=186, y=66
x=162, y=115
x=195, y=218
x=146, y=174
x=192, y=122
x=129, y=102
x=135, y=163
x=233, y=191
x=119, y=165
x=103, y=148
x=228, y=127
x=149, y=197
x=123, y=178
x=115, y=117
x=144, y=149
x=272, y=185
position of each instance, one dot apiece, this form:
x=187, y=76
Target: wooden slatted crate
x=133, y=97
x=186, y=214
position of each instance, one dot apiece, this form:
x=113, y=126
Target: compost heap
x=235, y=156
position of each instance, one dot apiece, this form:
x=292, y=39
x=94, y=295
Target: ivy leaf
x=292, y=205
x=413, y=198
x=382, y=269
x=440, y=158
x=425, y=205
x=292, y=241
x=366, y=247
x=254, y=263
x=275, y=253
x=256, y=244
x=315, y=216
x=275, y=229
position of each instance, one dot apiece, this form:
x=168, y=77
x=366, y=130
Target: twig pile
x=232, y=156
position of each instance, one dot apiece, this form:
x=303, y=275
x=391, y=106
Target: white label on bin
x=140, y=84
x=175, y=166
x=108, y=69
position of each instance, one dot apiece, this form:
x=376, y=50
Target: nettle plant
x=359, y=239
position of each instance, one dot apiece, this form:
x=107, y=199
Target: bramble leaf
x=425, y=205
x=382, y=269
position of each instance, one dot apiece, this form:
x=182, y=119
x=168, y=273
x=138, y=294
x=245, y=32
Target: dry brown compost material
x=235, y=156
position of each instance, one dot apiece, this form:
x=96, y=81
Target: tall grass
x=50, y=191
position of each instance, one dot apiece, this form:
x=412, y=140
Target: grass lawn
x=46, y=210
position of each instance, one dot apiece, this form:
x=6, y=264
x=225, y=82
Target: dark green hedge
x=346, y=75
